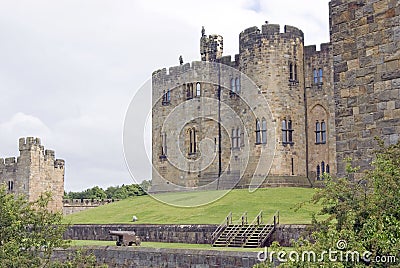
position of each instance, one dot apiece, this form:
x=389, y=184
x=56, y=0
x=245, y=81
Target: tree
x=362, y=215
x=29, y=233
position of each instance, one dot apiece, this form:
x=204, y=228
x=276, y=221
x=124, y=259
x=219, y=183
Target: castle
x=280, y=113
x=35, y=171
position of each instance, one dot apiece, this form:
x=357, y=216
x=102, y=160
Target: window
x=10, y=185
x=258, y=132
x=315, y=76
x=292, y=165
x=189, y=91
x=317, y=133
x=290, y=131
x=284, y=131
x=320, y=132
x=264, y=131
x=239, y=137
x=323, y=132
x=320, y=75
x=198, y=89
x=234, y=139
x=166, y=97
x=233, y=85
x=237, y=85
x=290, y=71
x=192, y=141
x=236, y=143
x=163, y=144
x=321, y=170
x=287, y=132
x=295, y=72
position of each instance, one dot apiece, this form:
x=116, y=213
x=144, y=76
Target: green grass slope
x=150, y=211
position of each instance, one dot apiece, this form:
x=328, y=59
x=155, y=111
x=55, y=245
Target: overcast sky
x=69, y=68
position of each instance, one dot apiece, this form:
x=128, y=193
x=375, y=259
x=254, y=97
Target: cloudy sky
x=69, y=68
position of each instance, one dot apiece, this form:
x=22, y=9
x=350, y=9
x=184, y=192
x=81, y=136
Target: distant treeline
x=112, y=192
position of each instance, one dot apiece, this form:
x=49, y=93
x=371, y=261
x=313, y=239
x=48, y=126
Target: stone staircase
x=243, y=234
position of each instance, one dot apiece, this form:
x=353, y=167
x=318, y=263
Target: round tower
x=274, y=61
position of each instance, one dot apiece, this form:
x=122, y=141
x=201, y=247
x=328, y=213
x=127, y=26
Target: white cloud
x=69, y=67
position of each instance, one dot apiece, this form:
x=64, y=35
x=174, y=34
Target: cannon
x=126, y=238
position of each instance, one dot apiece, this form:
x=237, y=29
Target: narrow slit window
x=198, y=89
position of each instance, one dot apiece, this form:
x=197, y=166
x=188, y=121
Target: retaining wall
x=138, y=257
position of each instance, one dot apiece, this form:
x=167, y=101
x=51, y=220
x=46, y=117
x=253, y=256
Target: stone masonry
x=34, y=172
x=365, y=36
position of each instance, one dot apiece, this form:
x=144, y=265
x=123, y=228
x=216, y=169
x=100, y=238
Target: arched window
x=295, y=72
x=189, y=91
x=318, y=173
x=322, y=167
x=315, y=72
x=10, y=185
x=284, y=131
x=237, y=85
x=290, y=71
x=317, y=132
x=323, y=132
x=258, y=131
x=264, y=131
x=327, y=169
x=198, y=89
x=320, y=75
x=233, y=85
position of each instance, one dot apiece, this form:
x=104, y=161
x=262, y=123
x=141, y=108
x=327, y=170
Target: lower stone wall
x=191, y=234
x=285, y=233
x=124, y=257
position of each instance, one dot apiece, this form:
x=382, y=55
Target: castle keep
x=34, y=172
x=293, y=81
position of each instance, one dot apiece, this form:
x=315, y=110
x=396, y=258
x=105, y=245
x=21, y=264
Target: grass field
x=150, y=211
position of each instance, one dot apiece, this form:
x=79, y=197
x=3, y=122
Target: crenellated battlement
x=312, y=49
x=253, y=35
x=28, y=143
x=33, y=172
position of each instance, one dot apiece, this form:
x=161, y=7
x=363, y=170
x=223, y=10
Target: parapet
x=312, y=50
x=59, y=163
x=28, y=143
x=10, y=161
x=253, y=34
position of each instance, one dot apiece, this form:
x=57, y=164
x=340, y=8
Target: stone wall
x=285, y=233
x=191, y=234
x=75, y=205
x=365, y=36
x=35, y=171
x=140, y=257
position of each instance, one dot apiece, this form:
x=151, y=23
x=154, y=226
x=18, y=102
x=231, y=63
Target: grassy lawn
x=162, y=245
x=150, y=211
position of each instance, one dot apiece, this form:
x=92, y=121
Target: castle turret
x=211, y=47
x=34, y=172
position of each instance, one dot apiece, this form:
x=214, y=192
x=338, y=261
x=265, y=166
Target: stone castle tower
x=35, y=171
x=291, y=144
